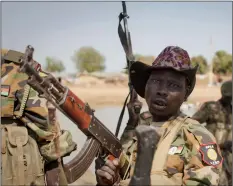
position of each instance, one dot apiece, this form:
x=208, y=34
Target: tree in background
x=222, y=63
x=202, y=62
x=88, y=59
x=54, y=65
x=143, y=58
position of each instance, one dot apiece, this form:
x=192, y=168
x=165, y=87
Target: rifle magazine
x=82, y=161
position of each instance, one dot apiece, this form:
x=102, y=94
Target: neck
x=159, y=118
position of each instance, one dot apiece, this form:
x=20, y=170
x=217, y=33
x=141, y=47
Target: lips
x=160, y=104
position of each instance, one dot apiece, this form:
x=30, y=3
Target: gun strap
x=121, y=116
x=126, y=43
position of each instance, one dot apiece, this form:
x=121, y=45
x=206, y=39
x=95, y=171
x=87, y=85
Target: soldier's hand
x=134, y=108
x=108, y=174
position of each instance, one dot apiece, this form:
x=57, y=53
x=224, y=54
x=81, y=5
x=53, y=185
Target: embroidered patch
x=5, y=90
x=175, y=150
x=210, y=154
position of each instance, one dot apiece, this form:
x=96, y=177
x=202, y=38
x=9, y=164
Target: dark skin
x=165, y=91
x=167, y=87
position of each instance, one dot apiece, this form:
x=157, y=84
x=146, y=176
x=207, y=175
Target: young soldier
x=187, y=153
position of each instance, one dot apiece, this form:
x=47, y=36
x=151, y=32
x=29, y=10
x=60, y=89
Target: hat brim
x=140, y=73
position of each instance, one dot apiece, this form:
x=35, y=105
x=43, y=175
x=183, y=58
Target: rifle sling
x=121, y=116
x=129, y=56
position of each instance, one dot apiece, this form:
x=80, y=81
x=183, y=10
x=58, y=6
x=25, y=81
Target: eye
x=155, y=80
x=174, y=85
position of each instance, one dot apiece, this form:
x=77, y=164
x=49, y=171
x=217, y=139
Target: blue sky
x=57, y=29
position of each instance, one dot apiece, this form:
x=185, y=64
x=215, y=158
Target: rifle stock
x=100, y=140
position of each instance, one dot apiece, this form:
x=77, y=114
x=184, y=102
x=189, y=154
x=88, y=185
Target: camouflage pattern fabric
x=172, y=57
x=129, y=132
x=217, y=118
x=219, y=122
x=35, y=113
x=193, y=157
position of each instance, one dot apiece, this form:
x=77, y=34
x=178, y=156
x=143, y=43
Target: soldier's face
x=165, y=92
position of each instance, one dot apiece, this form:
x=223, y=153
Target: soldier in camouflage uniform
x=187, y=153
x=28, y=136
x=218, y=118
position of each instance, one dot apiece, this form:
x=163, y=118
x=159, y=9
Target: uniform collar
x=160, y=123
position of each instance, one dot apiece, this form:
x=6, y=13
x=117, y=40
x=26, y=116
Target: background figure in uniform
x=218, y=118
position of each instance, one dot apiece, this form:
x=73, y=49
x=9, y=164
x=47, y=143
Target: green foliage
x=145, y=59
x=222, y=63
x=54, y=65
x=88, y=59
x=202, y=62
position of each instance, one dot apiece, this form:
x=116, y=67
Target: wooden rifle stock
x=100, y=140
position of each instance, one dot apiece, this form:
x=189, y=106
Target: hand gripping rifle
x=127, y=45
x=100, y=141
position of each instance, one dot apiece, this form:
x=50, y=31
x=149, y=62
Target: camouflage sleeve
x=200, y=156
x=35, y=109
x=202, y=114
x=52, y=141
x=129, y=132
x=127, y=135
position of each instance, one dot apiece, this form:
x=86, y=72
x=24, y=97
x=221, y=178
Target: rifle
x=125, y=39
x=147, y=140
x=100, y=141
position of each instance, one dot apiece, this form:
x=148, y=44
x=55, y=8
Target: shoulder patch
x=210, y=154
x=146, y=115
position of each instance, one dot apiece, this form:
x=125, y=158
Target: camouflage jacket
x=34, y=114
x=145, y=118
x=194, y=158
x=218, y=120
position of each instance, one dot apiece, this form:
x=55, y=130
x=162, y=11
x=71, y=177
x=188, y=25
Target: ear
x=186, y=93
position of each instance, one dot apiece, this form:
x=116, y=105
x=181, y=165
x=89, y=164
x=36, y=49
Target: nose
x=162, y=91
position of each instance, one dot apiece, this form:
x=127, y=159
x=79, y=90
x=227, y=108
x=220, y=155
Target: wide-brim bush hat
x=172, y=57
